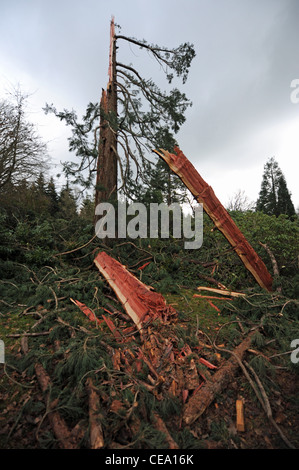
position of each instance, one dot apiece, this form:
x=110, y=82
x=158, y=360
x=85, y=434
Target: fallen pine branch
x=161, y=426
x=211, y=280
x=60, y=429
x=267, y=408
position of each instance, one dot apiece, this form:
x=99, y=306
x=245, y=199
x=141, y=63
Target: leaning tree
x=116, y=136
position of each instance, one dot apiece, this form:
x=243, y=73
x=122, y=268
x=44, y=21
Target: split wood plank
x=205, y=195
x=240, y=422
x=139, y=301
x=222, y=292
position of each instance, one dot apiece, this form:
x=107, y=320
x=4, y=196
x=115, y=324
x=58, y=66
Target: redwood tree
x=133, y=110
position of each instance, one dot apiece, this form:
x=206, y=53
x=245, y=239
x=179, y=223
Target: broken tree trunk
x=138, y=300
x=106, y=181
x=199, y=402
x=205, y=195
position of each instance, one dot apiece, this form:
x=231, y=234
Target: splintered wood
x=240, y=423
x=139, y=301
x=159, y=361
x=205, y=195
x=171, y=369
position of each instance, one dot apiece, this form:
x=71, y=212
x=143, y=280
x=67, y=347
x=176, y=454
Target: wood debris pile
x=174, y=370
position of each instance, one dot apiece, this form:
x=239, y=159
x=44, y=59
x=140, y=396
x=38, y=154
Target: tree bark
x=106, y=181
x=204, y=194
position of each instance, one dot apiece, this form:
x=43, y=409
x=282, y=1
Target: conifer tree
x=140, y=113
x=67, y=204
x=52, y=196
x=274, y=197
x=22, y=152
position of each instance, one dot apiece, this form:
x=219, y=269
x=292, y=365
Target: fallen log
x=200, y=401
x=205, y=195
x=139, y=301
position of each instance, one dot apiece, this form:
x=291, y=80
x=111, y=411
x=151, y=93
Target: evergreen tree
x=22, y=152
x=141, y=112
x=274, y=197
x=67, y=204
x=284, y=201
x=52, y=196
x=160, y=183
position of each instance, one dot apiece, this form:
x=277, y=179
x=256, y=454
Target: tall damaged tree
x=107, y=164
x=134, y=113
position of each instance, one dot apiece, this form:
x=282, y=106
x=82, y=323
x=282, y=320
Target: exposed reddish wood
x=240, y=423
x=89, y=313
x=213, y=306
x=112, y=328
x=207, y=363
x=61, y=431
x=199, y=402
x=205, y=195
x=140, y=302
x=144, y=265
x=112, y=39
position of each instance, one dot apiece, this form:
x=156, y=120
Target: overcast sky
x=247, y=55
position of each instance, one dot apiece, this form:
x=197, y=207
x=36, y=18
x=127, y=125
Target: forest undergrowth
x=59, y=365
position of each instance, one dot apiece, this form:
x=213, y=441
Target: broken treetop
x=205, y=195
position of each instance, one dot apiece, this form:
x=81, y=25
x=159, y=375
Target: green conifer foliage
x=274, y=197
